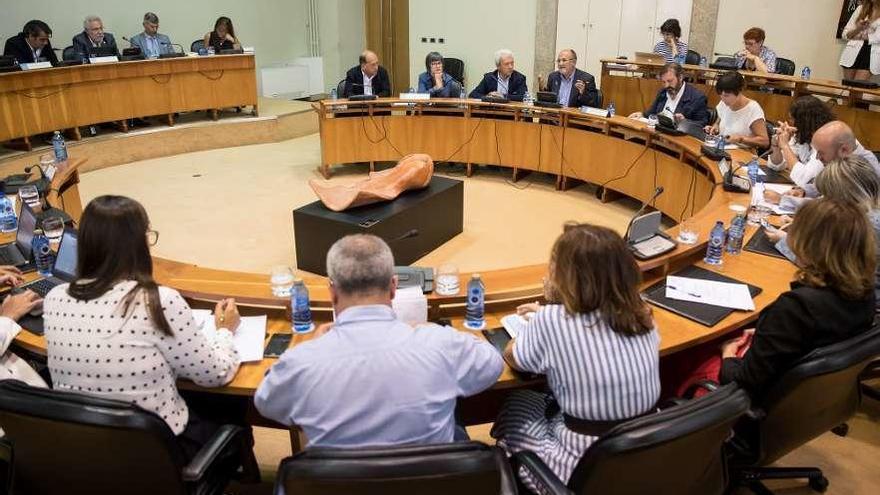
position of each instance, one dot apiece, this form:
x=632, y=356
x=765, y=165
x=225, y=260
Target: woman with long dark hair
x=115, y=333
x=223, y=36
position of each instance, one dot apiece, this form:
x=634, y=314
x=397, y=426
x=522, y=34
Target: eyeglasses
x=564, y=60
x=152, y=237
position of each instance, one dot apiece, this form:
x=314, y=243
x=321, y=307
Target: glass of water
x=758, y=213
x=281, y=278
x=447, y=280
x=47, y=163
x=30, y=195
x=652, y=121
x=688, y=232
x=53, y=227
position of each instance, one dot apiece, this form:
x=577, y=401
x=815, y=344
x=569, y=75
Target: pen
x=688, y=293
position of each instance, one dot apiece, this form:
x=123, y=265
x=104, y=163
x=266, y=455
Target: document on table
x=724, y=294
x=784, y=208
x=248, y=338
x=410, y=305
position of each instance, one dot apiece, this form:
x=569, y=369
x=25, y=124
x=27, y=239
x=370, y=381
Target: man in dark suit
x=504, y=81
x=31, y=44
x=573, y=87
x=678, y=99
x=93, y=36
x=367, y=78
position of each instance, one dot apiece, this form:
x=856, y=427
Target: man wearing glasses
x=573, y=87
x=92, y=37
x=32, y=44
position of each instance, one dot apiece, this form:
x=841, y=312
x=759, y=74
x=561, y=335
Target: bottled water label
x=447, y=285
x=8, y=221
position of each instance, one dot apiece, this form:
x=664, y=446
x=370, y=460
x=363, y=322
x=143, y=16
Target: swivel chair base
x=751, y=478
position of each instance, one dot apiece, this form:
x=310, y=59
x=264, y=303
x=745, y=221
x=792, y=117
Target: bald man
x=367, y=78
x=830, y=142
x=573, y=87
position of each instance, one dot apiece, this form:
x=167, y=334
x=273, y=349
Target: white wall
x=800, y=30
x=473, y=31
x=343, y=36
x=276, y=28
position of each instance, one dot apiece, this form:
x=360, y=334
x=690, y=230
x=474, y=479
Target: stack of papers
x=410, y=305
x=724, y=294
x=783, y=208
x=248, y=338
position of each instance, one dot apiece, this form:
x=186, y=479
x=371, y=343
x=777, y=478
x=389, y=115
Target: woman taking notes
x=740, y=119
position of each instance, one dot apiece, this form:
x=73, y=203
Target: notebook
x=761, y=244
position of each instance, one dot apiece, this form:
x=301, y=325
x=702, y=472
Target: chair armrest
x=671, y=402
x=543, y=476
x=204, y=458
x=708, y=385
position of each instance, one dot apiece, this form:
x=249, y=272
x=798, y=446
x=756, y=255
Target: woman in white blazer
x=861, y=55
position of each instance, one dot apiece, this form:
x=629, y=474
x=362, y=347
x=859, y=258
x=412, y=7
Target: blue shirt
x=565, y=85
x=374, y=380
x=151, y=47
x=450, y=89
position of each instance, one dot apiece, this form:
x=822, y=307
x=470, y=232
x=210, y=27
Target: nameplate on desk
x=415, y=96
x=36, y=65
x=595, y=112
x=103, y=60
x=247, y=49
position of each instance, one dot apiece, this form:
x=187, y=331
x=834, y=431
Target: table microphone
x=657, y=192
x=164, y=43
x=129, y=42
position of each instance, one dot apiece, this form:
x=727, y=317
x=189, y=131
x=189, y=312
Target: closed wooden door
x=387, y=28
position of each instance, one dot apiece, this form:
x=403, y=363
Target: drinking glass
x=688, y=232
x=47, y=163
x=447, y=280
x=281, y=278
x=758, y=213
x=652, y=121
x=53, y=227
x=30, y=195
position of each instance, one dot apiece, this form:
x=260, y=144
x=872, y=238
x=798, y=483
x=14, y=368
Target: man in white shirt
x=832, y=141
x=368, y=378
x=678, y=99
x=367, y=78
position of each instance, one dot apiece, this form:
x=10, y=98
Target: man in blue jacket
x=504, y=81
x=150, y=41
x=678, y=99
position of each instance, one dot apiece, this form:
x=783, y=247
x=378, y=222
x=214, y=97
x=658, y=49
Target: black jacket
x=354, y=83
x=798, y=322
x=516, y=87
x=590, y=96
x=17, y=46
x=82, y=44
x=693, y=105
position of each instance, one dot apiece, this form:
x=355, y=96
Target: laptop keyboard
x=41, y=287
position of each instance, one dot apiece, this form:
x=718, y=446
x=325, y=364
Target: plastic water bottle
x=528, y=100
x=334, y=95
x=43, y=254
x=805, y=72
x=721, y=143
x=753, y=170
x=704, y=62
x=8, y=221
x=473, y=318
x=462, y=97
x=737, y=229
x=611, y=109
x=715, y=247
x=680, y=58
x=299, y=308
x=60, y=147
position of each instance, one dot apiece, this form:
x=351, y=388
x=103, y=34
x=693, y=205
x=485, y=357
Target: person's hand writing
x=226, y=315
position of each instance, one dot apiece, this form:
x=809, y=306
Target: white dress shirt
x=672, y=102
x=368, y=83
x=374, y=380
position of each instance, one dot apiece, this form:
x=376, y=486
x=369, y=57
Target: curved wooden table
x=566, y=143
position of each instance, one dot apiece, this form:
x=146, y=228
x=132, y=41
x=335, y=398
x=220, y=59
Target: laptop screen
x=65, y=263
x=27, y=222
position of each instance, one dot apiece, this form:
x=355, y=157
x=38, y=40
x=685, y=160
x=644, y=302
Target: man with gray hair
x=368, y=378
x=150, y=41
x=504, y=81
x=93, y=37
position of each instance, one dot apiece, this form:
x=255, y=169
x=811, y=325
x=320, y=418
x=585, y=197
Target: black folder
x=704, y=314
x=761, y=244
x=498, y=337
x=773, y=177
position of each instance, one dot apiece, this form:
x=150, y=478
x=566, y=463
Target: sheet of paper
x=248, y=338
x=514, y=324
x=784, y=208
x=722, y=294
x=410, y=305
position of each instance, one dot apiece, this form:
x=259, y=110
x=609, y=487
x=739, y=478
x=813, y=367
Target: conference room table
x=38, y=101
x=632, y=86
x=624, y=156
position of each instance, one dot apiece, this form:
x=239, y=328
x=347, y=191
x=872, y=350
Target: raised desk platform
x=619, y=152
x=632, y=86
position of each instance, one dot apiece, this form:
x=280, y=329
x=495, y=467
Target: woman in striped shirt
x=596, y=342
x=671, y=46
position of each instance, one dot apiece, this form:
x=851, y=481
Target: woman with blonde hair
x=596, y=342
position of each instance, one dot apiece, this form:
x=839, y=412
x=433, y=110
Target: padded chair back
x=197, y=45
x=677, y=450
x=455, y=68
x=820, y=392
x=340, y=89
x=713, y=115
x=443, y=469
x=784, y=66
x=69, y=54
x=67, y=443
x=692, y=58
x=599, y=98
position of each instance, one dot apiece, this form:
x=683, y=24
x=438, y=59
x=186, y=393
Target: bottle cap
x=475, y=275
x=297, y=280
x=38, y=231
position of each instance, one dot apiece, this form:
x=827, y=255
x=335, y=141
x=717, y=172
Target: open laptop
x=667, y=125
x=19, y=253
x=64, y=270
x=650, y=57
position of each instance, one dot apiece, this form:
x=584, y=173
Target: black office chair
x=675, y=451
x=197, y=45
x=455, y=68
x=713, y=115
x=820, y=393
x=69, y=443
x=443, y=469
x=784, y=66
x=70, y=53
x=599, y=98
x=724, y=63
x=340, y=89
x=692, y=58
